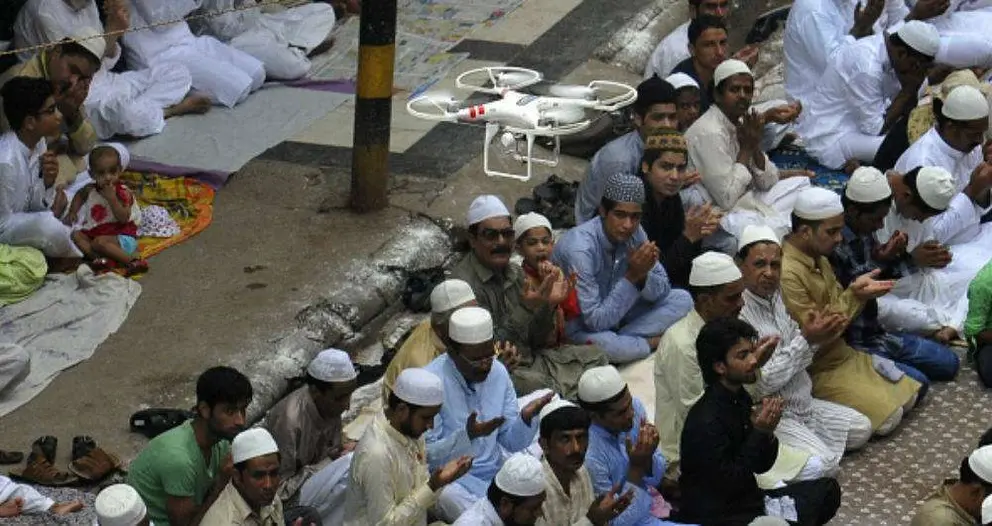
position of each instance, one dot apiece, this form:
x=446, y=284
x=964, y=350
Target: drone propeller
x=441, y=99
x=564, y=115
x=572, y=91
x=512, y=78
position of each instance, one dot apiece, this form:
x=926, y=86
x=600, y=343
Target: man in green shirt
x=978, y=324
x=182, y=471
x=959, y=502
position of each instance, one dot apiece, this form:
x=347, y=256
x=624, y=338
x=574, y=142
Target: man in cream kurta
x=250, y=499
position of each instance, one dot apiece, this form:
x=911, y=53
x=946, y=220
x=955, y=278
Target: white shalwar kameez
x=821, y=428
x=672, y=49
x=964, y=38
x=130, y=103
x=281, y=40
x=225, y=74
x=25, y=217
x=34, y=503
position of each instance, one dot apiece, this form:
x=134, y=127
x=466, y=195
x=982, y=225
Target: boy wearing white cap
x=625, y=298
x=307, y=423
x=870, y=384
x=120, y=505
x=687, y=99
x=848, y=115
x=961, y=501
x=480, y=416
x=388, y=483
x=514, y=497
x=427, y=340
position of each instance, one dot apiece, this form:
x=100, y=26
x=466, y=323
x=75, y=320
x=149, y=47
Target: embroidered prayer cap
x=624, y=188
x=710, y=269
x=729, y=68
x=965, y=103
x=961, y=77
x=119, y=505
x=528, y=221
x=867, y=185
x=987, y=511
x=332, y=365
x=521, y=476
x=252, y=443
x=936, y=187
x=450, y=294
x=485, y=207
x=419, y=387
x=681, y=80
x=599, y=384
x=816, y=204
x=666, y=139
x=920, y=36
x=756, y=233
x=471, y=325
x=553, y=406
x=980, y=461
x=92, y=40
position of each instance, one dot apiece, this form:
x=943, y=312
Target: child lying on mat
x=105, y=215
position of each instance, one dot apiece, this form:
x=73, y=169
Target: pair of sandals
x=90, y=463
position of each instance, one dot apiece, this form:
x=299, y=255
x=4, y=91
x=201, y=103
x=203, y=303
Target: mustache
x=501, y=250
x=577, y=458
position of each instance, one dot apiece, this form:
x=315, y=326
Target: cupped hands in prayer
x=783, y=114
x=866, y=287
x=640, y=261
x=450, y=472
x=507, y=353
x=701, y=221
x=931, y=254
x=865, y=16
x=823, y=326
x=553, y=289
x=691, y=178
x=609, y=505
x=765, y=347
x=765, y=417
x=893, y=249
x=476, y=429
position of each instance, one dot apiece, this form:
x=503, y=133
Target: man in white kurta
x=225, y=74
x=674, y=48
x=281, y=40
x=517, y=493
x=823, y=429
x=134, y=103
x=736, y=173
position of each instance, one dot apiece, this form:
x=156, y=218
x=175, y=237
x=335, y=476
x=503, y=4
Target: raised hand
x=696, y=220
x=926, y=9
x=893, y=249
x=641, y=453
x=931, y=254
x=49, y=168
x=507, y=353
x=478, y=429
x=450, y=472
x=117, y=14
x=866, y=287
x=691, y=178
x=534, y=297
x=749, y=132
x=640, y=261
x=821, y=326
x=782, y=114
x=748, y=54
x=981, y=176
x=766, y=417
x=609, y=506
x=765, y=347
x=535, y=406
x=865, y=17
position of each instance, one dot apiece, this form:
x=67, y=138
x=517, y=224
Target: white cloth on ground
x=15, y=363
x=34, y=502
x=672, y=49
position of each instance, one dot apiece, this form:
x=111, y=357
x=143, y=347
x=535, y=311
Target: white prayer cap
x=756, y=233
x=681, y=80
x=980, y=461
x=485, y=207
x=119, y=505
x=450, y=294
x=419, y=387
x=252, y=443
x=599, y=384
x=332, y=365
x=936, y=187
x=553, y=406
x=729, y=68
x=987, y=511
x=713, y=268
x=920, y=36
x=529, y=221
x=965, y=103
x=91, y=39
x=471, y=325
x=768, y=520
x=521, y=476
x=816, y=204
x=867, y=185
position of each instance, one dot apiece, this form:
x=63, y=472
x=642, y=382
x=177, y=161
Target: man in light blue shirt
x=480, y=415
x=625, y=298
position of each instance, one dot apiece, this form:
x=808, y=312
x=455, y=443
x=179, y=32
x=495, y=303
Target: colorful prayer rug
x=188, y=201
x=794, y=157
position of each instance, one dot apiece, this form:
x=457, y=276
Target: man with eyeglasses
x=524, y=315
x=480, y=416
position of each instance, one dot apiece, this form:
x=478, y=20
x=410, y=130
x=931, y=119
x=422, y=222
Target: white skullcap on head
x=867, y=185
x=921, y=36
x=471, y=325
x=681, y=80
x=768, y=520
x=965, y=103
x=450, y=294
x=599, y=384
x=91, y=39
x=122, y=152
x=936, y=187
x=987, y=511
x=729, y=68
x=521, y=475
x=980, y=461
x=713, y=268
x=529, y=221
x=119, y=505
x=816, y=204
x=553, y=406
x=332, y=365
x=756, y=233
x=252, y=443
x=419, y=387
x=485, y=207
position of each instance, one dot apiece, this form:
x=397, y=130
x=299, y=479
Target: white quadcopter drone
x=517, y=116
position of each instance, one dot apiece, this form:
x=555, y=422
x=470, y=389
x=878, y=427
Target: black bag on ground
x=554, y=199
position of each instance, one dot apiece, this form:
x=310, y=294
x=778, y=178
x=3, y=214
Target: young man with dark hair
x=674, y=48
x=728, y=439
x=959, y=502
x=181, y=472
x=707, y=49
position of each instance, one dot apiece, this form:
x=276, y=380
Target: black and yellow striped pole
x=373, y=106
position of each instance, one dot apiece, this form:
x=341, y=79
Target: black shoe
x=81, y=446
x=46, y=447
x=368, y=374
x=154, y=422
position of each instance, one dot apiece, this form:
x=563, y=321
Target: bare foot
x=194, y=103
x=12, y=508
x=322, y=47
x=850, y=166
x=653, y=342
x=65, y=508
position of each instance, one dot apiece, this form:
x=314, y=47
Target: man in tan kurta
x=959, y=502
x=249, y=499
x=70, y=68
x=870, y=384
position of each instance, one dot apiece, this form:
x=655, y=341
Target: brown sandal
x=41, y=471
x=95, y=465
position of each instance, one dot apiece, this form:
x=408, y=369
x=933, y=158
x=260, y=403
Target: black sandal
x=11, y=457
x=46, y=447
x=154, y=422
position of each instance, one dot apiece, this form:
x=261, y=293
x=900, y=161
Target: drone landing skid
x=493, y=129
